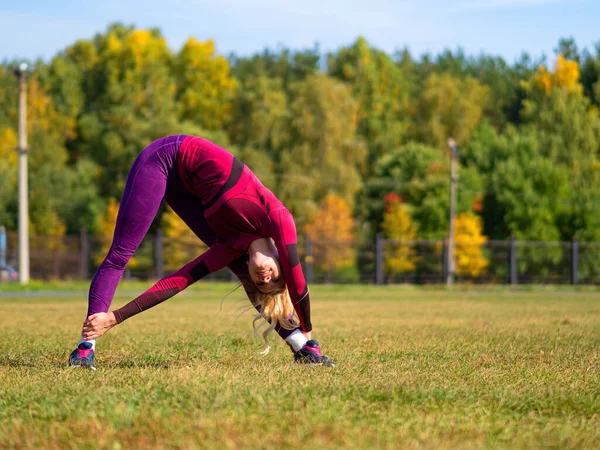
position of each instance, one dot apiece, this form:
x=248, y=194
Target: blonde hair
x=276, y=308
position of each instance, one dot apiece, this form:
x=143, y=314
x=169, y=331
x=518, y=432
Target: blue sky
x=41, y=28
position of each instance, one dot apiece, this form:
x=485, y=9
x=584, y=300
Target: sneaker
x=82, y=356
x=311, y=354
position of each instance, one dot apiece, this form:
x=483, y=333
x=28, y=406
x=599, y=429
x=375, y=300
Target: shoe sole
x=82, y=366
x=307, y=363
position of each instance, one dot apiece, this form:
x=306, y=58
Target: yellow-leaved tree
x=331, y=230
x=180, y=244
x=565, y=76
x=106, y=230
x=399, y=228
x=469, y=242
x=8, y=164
x=206, y=86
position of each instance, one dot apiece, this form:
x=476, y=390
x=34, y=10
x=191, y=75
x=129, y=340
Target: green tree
x=421, y=176
x=324, y=154
x=47, y=155
x=502, y=80
x=285, y=65
x=523, y=189
x=130, y=104
x=181, y=245
x=567, y=126
x=261, y=116
x=106, y=230
x=260, y=126
x=382, y=91
x=448, y=107
x=590, y=74
x=65, y=78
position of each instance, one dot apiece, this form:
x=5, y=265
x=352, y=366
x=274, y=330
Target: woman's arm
x=215, y=258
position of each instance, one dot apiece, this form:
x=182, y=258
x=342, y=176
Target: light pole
x=21, y=73
x=450, y=256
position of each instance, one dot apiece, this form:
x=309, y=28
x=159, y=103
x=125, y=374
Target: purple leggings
x=152, y=178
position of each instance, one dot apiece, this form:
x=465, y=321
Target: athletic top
x=240, y=210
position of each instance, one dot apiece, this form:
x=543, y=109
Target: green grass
x=415, y=369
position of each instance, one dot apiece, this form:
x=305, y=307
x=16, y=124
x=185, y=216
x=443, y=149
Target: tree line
x=353, y=142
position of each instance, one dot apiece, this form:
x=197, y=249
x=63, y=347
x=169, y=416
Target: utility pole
x=21, y=73
x=450, y=256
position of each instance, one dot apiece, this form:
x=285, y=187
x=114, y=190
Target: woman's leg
x=144, y=191
x=190, y=209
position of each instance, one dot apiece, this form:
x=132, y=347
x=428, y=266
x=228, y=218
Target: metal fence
x=377, y=261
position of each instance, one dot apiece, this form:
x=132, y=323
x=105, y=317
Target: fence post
x=379, y=272
x=84, y=254
x=574, y=262
x=308, y=259
x=513, y=262
x=158, y=255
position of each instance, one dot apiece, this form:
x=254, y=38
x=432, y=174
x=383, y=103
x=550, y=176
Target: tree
x=525, y=198
x=469, y=241
x=260, y=116
x=260, y=126
x=502, y=80
x=590, y=74
x=567, y=129
x=47, y=159
x=448, y=107
x=79, y=203
x=521, y=195
x=567, y=126
x=285, y=65
x=8, y=174
x=65, y=78
x=481, y=151
x=565, y=76
x=205, y=86
x=382, y=91
x=324, y=154
x=420, y=175
x=106, y=230
x=331, y=230
x=568, y=49
x=130, y=101
x=398, y=227
x=181, y=245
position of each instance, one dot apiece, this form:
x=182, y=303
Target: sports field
x=415, y=369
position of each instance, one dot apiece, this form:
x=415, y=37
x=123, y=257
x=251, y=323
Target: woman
x=246, y=227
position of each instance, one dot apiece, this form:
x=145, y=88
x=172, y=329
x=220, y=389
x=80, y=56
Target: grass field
x=415, y=369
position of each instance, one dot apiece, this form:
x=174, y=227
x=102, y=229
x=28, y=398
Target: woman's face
x=264, y=271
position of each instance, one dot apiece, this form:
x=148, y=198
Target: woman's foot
x=83, y=356
x=311, y=354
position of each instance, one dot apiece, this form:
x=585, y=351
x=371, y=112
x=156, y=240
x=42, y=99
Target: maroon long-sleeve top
x=240, y=210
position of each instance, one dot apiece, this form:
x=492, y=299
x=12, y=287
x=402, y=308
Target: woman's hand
x=98, y=324
x=307, y=335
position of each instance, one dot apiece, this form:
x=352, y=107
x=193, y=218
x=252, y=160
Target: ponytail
x=276, y=308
